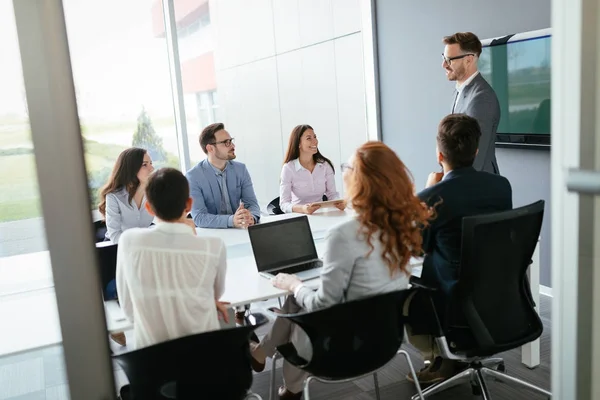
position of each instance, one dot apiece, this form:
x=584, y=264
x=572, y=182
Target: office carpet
x=393, y=383
x=40, y=375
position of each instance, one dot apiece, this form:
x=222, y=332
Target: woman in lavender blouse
x=306, y=175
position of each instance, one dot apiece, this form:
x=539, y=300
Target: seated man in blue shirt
x=221, y=188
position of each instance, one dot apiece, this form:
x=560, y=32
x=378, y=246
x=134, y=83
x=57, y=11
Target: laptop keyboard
x=302, y=267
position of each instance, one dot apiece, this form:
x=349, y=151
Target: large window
x=121, y=74
x=196, y=42
x=21, y=228
x=124, y=98
x=28, y=320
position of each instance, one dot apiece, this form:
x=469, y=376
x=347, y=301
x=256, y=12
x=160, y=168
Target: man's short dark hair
x=208, y=135
x=458, y=140
x=467, y=41
x=167, y=192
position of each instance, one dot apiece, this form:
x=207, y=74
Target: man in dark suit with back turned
x=473, y=95
x=458, y=191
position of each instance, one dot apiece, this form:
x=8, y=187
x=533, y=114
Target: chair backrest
x=273, y=207
x=354, y=338
x=100, y=230
x=107, y=261
x=492, y=288
x=209, y=365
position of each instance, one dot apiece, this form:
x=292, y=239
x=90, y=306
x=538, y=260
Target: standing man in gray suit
x=473, y=95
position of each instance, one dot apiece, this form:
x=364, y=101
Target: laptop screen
x=281, y=243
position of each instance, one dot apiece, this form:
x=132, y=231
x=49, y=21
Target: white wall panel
x=286, y=21
x=226, y=84
x=253, y=119
x=346, y=17
x=244, y=31
x=316, y=21
x=320, y=99
x=320, y=84
x=350, y=94
x=291, y=94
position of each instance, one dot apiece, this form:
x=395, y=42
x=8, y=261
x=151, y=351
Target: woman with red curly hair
x=366, y=255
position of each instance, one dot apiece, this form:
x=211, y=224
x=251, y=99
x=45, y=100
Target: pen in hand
x=243, y=218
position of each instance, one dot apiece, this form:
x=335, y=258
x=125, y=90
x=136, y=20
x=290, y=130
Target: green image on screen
x=519, y=72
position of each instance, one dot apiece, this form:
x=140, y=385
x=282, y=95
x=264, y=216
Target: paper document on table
x=328, y=203
x=114, y=312
x=416, y=264
x=416, y=271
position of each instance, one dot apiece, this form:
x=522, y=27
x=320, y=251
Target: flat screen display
x=518, y=67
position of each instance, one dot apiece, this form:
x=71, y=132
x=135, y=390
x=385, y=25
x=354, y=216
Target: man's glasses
x=226, y=142
x=346, y=166
x=449, y=60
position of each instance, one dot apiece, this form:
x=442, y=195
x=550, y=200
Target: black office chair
x=107, y=262
x=493, y=307
x=100, y=230
x=274, y=209
x=350, y=340
x=211, y=365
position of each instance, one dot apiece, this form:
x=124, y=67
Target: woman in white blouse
x=122, y=199
x=364, y=256
x=306, y=175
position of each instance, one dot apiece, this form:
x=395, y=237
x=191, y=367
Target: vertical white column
x=575, y=230
x=369, y=35
x=62, y=178
x=176, y=84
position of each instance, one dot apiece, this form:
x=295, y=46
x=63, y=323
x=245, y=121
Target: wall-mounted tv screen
x=518, y=68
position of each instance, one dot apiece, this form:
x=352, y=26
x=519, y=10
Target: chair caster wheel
x=501, y=368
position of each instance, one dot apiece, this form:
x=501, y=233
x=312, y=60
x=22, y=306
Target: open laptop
x=285, y=246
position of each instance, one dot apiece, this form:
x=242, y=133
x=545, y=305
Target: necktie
x=455, y=101
x=225, y=205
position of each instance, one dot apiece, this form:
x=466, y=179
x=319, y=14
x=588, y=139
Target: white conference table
x=243, y=284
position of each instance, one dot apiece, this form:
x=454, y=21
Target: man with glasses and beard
x=221, y=189
x=473, y=95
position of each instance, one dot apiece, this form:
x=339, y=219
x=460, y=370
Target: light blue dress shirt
x=121, y=215
x=225, y=204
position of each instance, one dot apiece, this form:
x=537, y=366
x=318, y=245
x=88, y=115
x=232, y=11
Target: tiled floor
x=40, y=375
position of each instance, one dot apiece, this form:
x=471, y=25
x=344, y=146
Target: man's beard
x=227, y=156
x=455, y=75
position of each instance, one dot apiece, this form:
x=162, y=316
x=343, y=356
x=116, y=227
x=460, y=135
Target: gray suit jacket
x=478, y=100
x=349, y=271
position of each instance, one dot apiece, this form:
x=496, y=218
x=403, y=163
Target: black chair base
x=306, y=393
x=476, y=373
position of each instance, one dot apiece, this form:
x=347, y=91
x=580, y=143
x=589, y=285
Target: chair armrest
x=418, y=283
x=257, y=319
x=289, y=352
x=434, y=323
